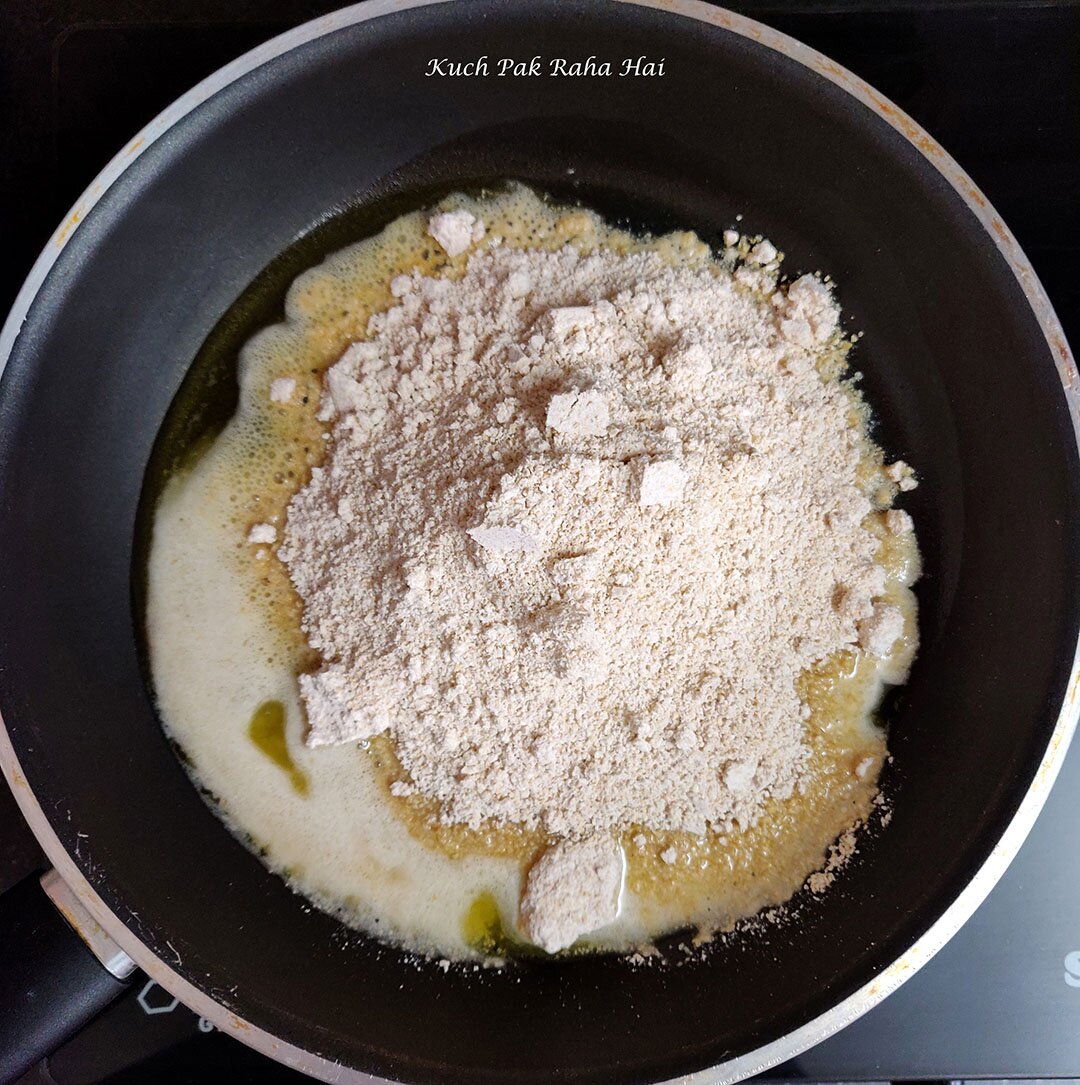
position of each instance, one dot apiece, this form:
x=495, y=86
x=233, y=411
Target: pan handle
x=58, y=969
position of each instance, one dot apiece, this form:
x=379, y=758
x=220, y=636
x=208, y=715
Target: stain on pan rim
x=978, y=887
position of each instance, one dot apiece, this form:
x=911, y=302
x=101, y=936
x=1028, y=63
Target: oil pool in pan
x=325, y=819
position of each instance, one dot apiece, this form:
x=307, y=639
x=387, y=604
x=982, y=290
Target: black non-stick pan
x=962, y=359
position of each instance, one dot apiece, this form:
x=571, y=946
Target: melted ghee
x=267, y=731
x=224, y=622
x=484, y=931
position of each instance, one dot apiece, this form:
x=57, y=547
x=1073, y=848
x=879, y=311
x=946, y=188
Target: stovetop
x=999, y=85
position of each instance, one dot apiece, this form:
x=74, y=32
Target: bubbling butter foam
x=223, y=627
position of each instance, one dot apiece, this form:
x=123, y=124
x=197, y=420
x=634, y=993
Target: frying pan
x=963, y=360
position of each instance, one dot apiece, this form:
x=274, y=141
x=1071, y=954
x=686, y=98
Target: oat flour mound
x=582, y=522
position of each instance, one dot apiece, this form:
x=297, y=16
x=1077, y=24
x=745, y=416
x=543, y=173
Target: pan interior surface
x=955, y=365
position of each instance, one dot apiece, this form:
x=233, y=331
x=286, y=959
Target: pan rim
x=950, y=921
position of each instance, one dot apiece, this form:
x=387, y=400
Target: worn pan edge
x=986, y=877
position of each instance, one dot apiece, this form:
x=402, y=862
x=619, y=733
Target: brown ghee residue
x=421, y=815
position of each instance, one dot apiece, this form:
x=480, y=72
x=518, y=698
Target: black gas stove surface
x=999, y=85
